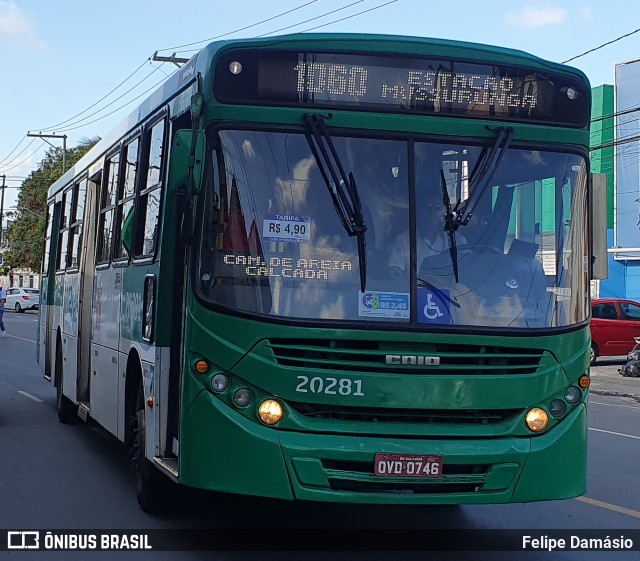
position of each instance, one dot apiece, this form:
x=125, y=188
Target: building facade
x=615, y=152
x=16, y=276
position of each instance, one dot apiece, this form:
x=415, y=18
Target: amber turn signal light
x=202, y=366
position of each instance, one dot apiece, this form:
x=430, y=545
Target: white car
x=21, y=299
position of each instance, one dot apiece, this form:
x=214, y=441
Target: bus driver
x=431, y=239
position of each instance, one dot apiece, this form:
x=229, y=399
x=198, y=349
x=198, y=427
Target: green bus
x=334, y=267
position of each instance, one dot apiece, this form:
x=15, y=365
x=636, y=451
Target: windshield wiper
x=460, y=215
x=449, y=225
x=342, y=188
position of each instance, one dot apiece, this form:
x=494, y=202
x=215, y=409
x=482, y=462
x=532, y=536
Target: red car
x=614, y=324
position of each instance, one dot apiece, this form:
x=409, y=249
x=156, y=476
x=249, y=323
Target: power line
x=615, y=142
x=281, y=29
x=54, y=127
x=616, y=114
x=115, y=110
x=27, y=158
x=71, y=126
x=615, y=127
x=67, y=121
x=19, y=153
x=352, y=16
x=313, y=19
x=601, y=46
x=12, y=151
x=620, y=130
x=241, y=28
x=81, y=122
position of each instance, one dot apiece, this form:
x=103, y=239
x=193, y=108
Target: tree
x=26, y=233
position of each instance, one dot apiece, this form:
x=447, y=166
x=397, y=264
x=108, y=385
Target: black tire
x=593, y=354
x=151, y=486
x=64, y=406
x=18, y=308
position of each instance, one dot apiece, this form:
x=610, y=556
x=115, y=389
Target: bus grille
x=370, y=356
x=382, y=415
x=358, y=477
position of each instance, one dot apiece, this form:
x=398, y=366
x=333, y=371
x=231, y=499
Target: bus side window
x=75, y=225
x=63, y=236
x=150, y=190
x=47, y=244
x=123, y=227
x=107, y=207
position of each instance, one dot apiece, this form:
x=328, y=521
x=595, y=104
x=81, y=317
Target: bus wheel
x=151, y=485
x=64, y=406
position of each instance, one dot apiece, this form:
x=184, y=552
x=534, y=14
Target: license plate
x=407, y=465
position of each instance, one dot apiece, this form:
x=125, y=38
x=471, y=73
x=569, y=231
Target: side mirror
x=187, y=153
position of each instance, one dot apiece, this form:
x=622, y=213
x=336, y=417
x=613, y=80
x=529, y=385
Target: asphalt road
x=77, y=477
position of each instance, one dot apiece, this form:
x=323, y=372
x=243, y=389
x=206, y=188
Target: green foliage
x=26, y=234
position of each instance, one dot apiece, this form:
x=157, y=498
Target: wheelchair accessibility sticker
x=434, y=306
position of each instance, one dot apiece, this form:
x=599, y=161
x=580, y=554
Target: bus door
x=87, y=270
x=47, y=289
x=105, y=330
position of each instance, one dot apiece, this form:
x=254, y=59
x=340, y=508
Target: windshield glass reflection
x=273, y=244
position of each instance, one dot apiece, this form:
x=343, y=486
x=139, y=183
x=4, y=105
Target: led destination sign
x=412, y=86
x=399, y=84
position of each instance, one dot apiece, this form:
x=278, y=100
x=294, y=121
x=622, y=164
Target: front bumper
x=224, y=451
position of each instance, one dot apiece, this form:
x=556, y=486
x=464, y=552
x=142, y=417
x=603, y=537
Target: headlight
x=219, y=383
x=572, y=395
x=242, y=397
x=270, y=411
x=537, y=419
x=557, y=408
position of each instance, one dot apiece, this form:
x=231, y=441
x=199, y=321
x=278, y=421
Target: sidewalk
x=605, y=379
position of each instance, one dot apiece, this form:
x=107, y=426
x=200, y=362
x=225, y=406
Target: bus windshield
x=272, y=244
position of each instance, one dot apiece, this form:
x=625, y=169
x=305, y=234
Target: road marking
x=614, y=404
x=608, y=506
x=21, y=338
x=616, y=433
x=27, y=394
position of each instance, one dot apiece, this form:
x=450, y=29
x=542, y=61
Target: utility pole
x=173, y=58
x=4, y=178
x=64, y=145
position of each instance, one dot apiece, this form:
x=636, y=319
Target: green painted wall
x=602, y=133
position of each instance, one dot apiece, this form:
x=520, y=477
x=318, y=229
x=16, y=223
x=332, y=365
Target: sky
x=66, y=68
